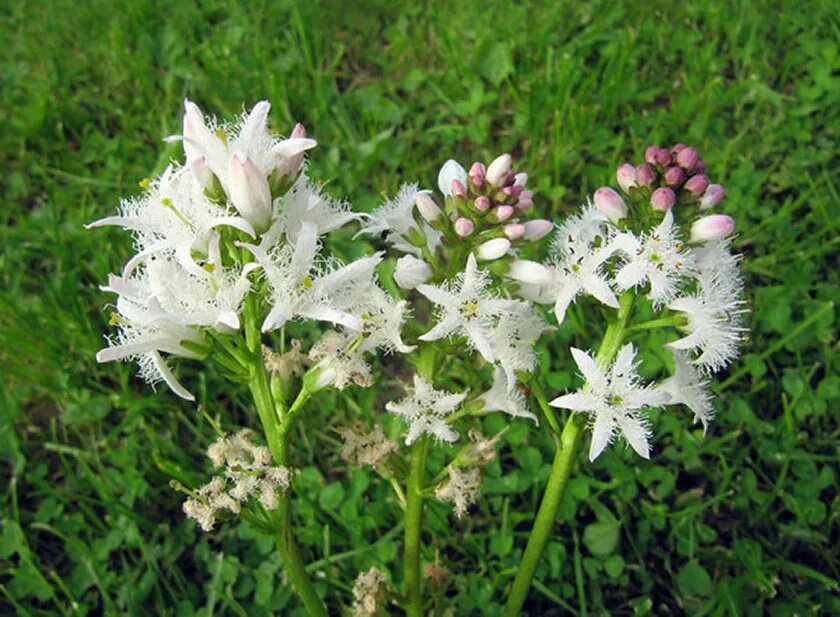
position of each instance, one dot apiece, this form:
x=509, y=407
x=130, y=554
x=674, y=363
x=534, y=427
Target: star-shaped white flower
x=425, y=410
x=505, y=397
x=689, y=387
x=658, y=258
x=396, y=217
x=467, y=309
x=514, y=339
x=613, y=398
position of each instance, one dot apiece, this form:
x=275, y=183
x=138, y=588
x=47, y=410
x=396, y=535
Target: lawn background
x=741, y=522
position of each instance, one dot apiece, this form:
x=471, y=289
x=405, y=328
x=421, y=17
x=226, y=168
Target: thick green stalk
x=413, y=525
x=561, y=469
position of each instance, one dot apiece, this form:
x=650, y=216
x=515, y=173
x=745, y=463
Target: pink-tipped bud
x=523, y=205
x=663, y=199
x=482, y=204
x=520, y=179
x=427, y=207
x=610, y=203
x=645, y=175
x=512, y=191
x=697, y=185
x=514, y=230
x=536, y=229
x=674, y=176
x=713, y=196
x=713, y=227
x=650, y=154
x=477, y=173
x=493, y=249
x=464, y=227
x=663, y=157
x=626, y=176
x=503, y=213
x=676, y=149
x=458, y=189
x=700, y=168
x=449, y=172
x=526, y=271
x=687, y=158
x=498, y=170
x=298, y=131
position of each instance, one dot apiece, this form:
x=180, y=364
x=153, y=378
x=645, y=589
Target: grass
x=741, y=522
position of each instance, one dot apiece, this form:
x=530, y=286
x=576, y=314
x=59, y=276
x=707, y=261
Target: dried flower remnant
x=370, y=593
x=362, y=447
x=461, y=489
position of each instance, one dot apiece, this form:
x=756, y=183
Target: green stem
x=561, y=469
x=413, y=525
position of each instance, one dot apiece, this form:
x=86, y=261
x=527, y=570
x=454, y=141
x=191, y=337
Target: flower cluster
x=370, y=593
x=247, y=472
x=241, y=217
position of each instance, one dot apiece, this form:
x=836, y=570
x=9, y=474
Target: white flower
x=514, y=339
x=382, y=318
x=467, y=309
x=659, y=258
x=449, y=172
x=305, y=202
x=339, y=362
x=411, y=272
x=714, y=319
x=580, y=249
x=613, y=397
x=301, y=287
x=689, y=387
x=425, y=410
x=506, y=397
x=396, y=217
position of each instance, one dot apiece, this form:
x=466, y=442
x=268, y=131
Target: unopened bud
x=458, y=189
x=645, y=175
x=676, y=149
x=482, y=204
x=536, y=229
x=524, y=204
x=687, y=158
x=513, y=190
x=464, y=227
x=249, y=192
x=450, y=171
x=498, y=170
x=503, y=213
x=526, y=271
x=697, y=185
x=493, y=249
x=610, y=203
x=663, y=199
x=411, y=272
x=514, y=231
x=520, y=179
x=427, y=207
x=626, y=176
x=700, y=168
x=713, y=227
x=674, y=176
x=713, y=196
x=663, y=157
x=298, y=131
x=650, y=154
x=477, y=173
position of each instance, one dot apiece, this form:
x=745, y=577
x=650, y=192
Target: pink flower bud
x=697, y=185
x=626, y=176
x=503, y=213
x=464, y=227
x=427, y=207
x=458, y=189
x=476, y=173
x=512, y=191
x=493, y=249
x=700, y=168
x=676, y=149
x=514, y=230
x=663, y=157
x=526, y=271
x=674, y=176
x=536, y=229
x=498, y=170
x=482, y=204
x=645, y=175
x=298, y=131
x=663, y=199
x=713, y=227
x=712, y=197
x=687, y=158
x=650, y=154
x=520, y=179
x=523, y=205
x=610, y=203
